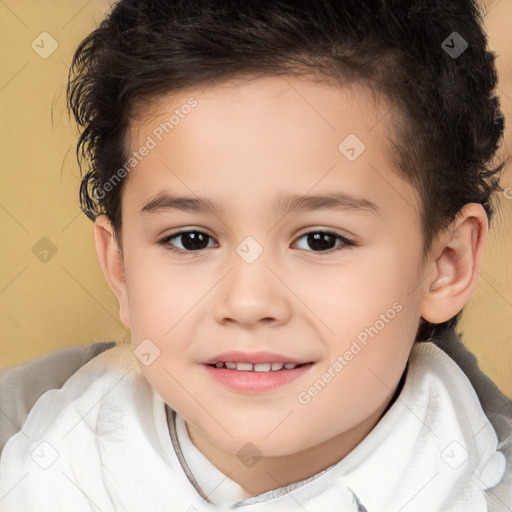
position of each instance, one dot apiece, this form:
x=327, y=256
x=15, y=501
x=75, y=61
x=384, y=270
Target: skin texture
x=242, y=145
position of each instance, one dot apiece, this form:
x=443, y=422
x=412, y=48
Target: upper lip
x=253, y=357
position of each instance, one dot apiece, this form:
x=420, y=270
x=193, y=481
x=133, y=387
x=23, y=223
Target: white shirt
x=103, y=442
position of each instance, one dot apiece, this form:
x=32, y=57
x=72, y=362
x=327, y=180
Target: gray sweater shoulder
x=23, y=384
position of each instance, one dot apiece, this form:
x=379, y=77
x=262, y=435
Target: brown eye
x=325, y=241
x=191, y=241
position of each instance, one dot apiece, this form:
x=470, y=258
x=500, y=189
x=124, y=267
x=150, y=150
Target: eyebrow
x=284, y=203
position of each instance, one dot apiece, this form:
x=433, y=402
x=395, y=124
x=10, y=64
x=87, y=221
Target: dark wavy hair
x=447, y=121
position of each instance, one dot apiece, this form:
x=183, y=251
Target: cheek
x=360, y=374
x=351, y=297
x=160, y=294
x=373, y=317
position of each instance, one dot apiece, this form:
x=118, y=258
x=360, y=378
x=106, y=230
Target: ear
x=111, y=262
x=457, y=266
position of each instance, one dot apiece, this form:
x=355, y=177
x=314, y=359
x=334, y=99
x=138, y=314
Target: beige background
x=64, y=300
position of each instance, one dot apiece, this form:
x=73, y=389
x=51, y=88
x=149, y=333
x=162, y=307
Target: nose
x=252, y=294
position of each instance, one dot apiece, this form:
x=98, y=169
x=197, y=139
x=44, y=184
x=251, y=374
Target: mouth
x=257, y=367
x=255, y=372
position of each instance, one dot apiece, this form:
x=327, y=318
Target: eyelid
x=331, y=231
x=181, y=231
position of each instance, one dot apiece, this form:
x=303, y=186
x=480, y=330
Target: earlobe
x=111, y=262
x=457, y=266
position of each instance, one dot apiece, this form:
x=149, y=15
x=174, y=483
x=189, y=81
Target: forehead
x=252, y=141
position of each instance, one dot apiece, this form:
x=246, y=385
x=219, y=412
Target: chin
x=259, y=445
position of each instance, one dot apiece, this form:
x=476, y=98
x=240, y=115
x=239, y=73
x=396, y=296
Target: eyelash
x=346, y=243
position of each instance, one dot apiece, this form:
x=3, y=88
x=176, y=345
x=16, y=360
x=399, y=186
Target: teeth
x=246, y=367
x=263, y=367
x=259, y=367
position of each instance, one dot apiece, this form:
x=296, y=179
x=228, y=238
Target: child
x=228, y=142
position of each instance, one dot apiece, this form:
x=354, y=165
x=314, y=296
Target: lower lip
x=256, y=381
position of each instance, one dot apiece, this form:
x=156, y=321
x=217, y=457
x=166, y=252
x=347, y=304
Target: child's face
x=352, y=313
